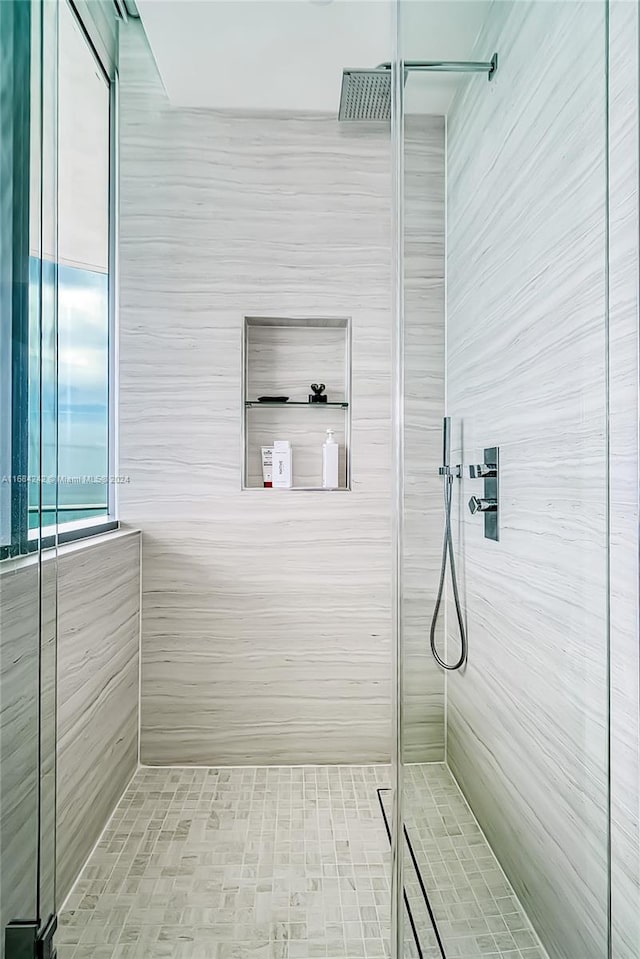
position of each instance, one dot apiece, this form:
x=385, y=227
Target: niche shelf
x=282, y=356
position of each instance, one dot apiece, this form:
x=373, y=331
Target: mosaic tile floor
x=266, y=863
x=475, y=908
x=287, y=863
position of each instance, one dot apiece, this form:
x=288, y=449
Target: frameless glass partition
x=56, y=449
x=624, y=293
x=28, y=468
x=502, y=148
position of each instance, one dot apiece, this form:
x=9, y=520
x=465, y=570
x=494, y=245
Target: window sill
x=90, y=537
x=70, y=532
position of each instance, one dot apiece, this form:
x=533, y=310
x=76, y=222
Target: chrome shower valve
x=483, y=470
x=478, y=505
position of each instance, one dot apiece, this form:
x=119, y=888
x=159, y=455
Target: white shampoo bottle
x=330, y=458
x=282, y=472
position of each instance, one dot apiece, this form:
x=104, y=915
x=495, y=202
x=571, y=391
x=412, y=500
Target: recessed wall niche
x=283, y=357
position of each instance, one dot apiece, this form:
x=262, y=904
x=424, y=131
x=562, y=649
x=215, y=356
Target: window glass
x=81, y=403
x=75, y=435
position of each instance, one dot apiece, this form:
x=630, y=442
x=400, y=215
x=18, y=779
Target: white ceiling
x=288, y=55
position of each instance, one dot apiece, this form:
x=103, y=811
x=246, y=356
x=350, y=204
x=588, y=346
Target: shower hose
x=447, y=552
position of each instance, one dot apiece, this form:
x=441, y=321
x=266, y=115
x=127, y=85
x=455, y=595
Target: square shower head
x=365, y=94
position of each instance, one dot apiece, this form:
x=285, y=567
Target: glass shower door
x=28, y=468
x=502, y=325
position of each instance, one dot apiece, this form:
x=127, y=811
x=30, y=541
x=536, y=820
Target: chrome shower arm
x=449, y=66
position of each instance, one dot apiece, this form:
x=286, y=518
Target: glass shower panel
x=503, y=327
x=44, y=425
x=28, y=67
x=624, y=290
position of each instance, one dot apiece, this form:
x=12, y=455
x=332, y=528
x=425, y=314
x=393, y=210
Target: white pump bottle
x=330, y=458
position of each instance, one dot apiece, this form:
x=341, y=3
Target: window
x=83, y=279
x=55, y=362
x=75, y=417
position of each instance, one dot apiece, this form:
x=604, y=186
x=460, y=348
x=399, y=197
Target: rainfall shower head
x=366, y=94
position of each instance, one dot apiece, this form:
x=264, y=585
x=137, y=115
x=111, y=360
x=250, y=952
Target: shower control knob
x=477, y=505
x=482, y=470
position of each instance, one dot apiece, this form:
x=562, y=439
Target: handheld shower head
x=448, y=556
x=446, y=441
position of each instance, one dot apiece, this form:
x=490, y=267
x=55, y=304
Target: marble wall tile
x=98, y=659
x=266, y=618
x=48, y=731
x=623, y=479
x=423, y=681
x=19, y=682
x=90, y=596
x=527, y=717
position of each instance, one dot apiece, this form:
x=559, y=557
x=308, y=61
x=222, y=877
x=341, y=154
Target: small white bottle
x=330, y=458
x=282, y=472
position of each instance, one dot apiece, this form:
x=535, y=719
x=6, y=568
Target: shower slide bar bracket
x=455, y=472
x=490, y=67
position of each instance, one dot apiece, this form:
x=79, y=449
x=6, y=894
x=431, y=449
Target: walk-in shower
x=253, y=714
x=519, y=285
